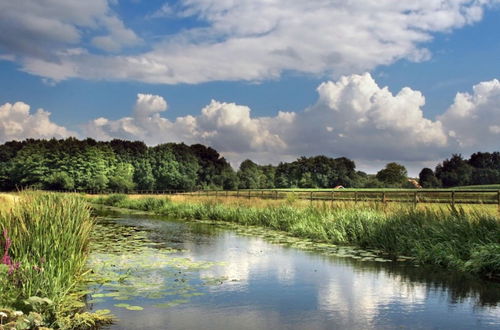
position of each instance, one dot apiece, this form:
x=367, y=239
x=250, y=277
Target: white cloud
x=356, y=118
x=353, y=117
x=119, y=36
x=226, y=126
x=38, y=30
x=239, y=40
x=474, y=119
x=17, y=123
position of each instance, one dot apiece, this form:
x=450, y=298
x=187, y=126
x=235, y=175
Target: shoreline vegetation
x=453, y=237
x=43, y=273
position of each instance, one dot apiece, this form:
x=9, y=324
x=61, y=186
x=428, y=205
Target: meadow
x=45, y=244
x=464, y=239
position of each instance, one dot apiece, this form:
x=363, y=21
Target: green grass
x=50, y=236
x=480, y=187
x=453, y=238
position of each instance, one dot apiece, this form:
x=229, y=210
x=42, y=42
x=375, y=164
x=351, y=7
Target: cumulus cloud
x=238, y=40
x=357, y=118
x=225, y=126
x=474, y=119
x=353, y=117
x=17, y=123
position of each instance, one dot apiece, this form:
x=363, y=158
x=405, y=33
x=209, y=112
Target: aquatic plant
x=47, y=235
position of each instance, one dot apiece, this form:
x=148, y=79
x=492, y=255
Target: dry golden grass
x=491, y=209
x=7, y=200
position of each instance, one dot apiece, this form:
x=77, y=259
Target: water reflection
x=265, y=286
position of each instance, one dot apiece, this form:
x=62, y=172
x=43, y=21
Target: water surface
x=167, y=274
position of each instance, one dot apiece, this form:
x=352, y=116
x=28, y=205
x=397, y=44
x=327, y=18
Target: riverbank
x=458, y=240
x=43, y=273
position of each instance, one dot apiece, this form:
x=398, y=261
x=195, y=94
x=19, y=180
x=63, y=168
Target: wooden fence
x=384, y=196
x=414, y=196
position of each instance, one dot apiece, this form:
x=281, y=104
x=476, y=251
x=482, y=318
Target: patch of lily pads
x=128, y=266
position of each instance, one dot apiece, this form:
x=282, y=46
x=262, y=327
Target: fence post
x=249, y=193
x=311, y=197
x=498, y=200
x=453, y=198
x=355, y=197
x=238, y=193
x=276, y=196
x=262, y=194
x=415, y=199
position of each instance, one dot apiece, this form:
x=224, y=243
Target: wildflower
x=17, y=313
x=8, y=242
x=2, y=315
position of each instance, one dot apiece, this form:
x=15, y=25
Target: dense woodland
x=119, y=165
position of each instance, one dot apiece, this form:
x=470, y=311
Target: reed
x=49, y=235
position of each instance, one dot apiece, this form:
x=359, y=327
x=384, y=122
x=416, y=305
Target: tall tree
x=393, y=174
x=427, y=179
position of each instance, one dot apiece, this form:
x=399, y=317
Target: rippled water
x=166, y=274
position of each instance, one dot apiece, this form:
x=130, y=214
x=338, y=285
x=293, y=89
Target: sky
x=271, y=80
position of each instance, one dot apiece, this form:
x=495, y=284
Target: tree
x=143, y=175
x=59, y=181
x=454, y=171
x=122, y=178
x=427, y=179
x=249, y=175
x=392, y=174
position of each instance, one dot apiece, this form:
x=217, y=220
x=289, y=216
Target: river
x=169, y=274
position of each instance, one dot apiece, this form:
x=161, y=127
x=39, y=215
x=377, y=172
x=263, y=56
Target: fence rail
x=385, y=196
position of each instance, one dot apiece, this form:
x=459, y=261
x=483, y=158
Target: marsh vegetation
x=43, y=273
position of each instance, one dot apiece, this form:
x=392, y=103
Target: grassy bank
x=453, y=238
x=44, y=243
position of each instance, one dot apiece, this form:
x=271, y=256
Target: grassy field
x=454, y=238
x=44, y=243
x=480, y=187
x=446, y=196
x=292, y=199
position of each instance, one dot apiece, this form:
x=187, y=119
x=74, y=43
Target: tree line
x=481, y=168
x=120, y=165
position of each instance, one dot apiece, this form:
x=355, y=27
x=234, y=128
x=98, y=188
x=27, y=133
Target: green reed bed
x=453, y=238
x=45, y=244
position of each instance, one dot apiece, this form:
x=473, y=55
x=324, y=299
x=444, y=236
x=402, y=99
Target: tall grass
x=50, y=236
x=453, y=238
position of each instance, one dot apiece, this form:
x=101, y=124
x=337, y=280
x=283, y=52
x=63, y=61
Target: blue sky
x=149, y=70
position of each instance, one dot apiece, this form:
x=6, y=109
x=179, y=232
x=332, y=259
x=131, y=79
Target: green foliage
x=249, y=175
x=393, y=174
x=122, y=178
x=319, y=171
x=125, y=166
x=116, y=165
x=454, y=172
x=50, y=236
x=59, y=181
x=427, y=179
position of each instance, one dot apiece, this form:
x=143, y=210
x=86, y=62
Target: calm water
x=185, y=275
